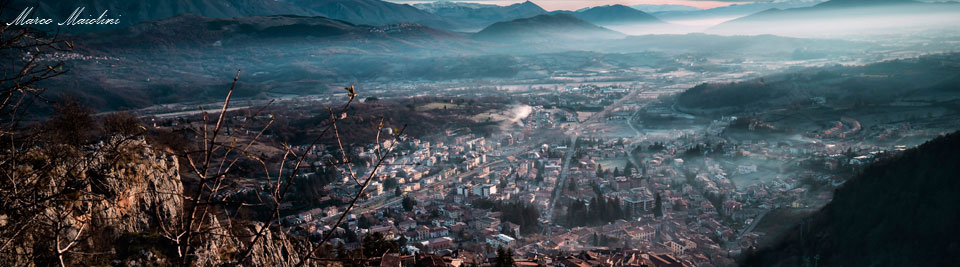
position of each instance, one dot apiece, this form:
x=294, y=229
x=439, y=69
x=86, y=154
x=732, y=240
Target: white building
x=501, y=240
x=484, y=190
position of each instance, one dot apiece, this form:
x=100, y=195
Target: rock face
x=87, y=199
x=115, y=203
x=143, y=187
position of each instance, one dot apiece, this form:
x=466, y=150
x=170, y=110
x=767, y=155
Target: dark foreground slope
x=903, y=211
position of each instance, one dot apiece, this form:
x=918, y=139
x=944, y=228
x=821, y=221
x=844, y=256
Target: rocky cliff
x=119, y=202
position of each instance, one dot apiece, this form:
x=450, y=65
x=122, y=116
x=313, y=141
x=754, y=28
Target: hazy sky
x=578, y=4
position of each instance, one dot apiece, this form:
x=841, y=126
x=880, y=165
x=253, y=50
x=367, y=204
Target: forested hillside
x=897, y=212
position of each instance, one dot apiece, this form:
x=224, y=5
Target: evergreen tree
x=402, y=243
x=525, y=215
x=657, y=207
x=390, y=183
x=407, y=203
x=341, y=251
x=504, y=257
x=375, y=245
x=600, y=211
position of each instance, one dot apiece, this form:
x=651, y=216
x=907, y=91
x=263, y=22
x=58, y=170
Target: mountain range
x=729, y=12
x=366, y=12
x=664, y=8
x=545, y=28
x=180, y=58
x=613, y=15
x=472, y=17
x=858, y=3
x=847, y=17
x=371, y=12
x=133, y=12
x=454, y=16
x=193, y=31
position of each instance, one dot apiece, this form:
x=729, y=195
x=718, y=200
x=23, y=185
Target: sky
x=552, y=5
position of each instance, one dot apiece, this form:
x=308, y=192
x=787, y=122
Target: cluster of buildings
x=442, y=195
x=438, y=196
x=591, y=258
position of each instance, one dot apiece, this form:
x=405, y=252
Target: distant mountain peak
x=616, y=14
x=872, y=17
x=660, y=8
x=839, y=3
x=466, y=16
x=530, y=5
x=871, y=1
x=545, y=28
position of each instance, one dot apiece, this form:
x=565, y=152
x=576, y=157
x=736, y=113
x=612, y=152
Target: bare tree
x=27, y=194
x=67, y=199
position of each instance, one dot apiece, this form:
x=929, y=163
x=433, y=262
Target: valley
x=374, y=133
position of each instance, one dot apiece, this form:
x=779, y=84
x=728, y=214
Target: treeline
x=589, y=141
x=309, y=190
x=602, y=240
x=627, y=170
x=652, y=148
x=372, y=246
x=601, y=210
x=703, y=150
x=540, y=170
x=717, y=95
x=523, y=214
